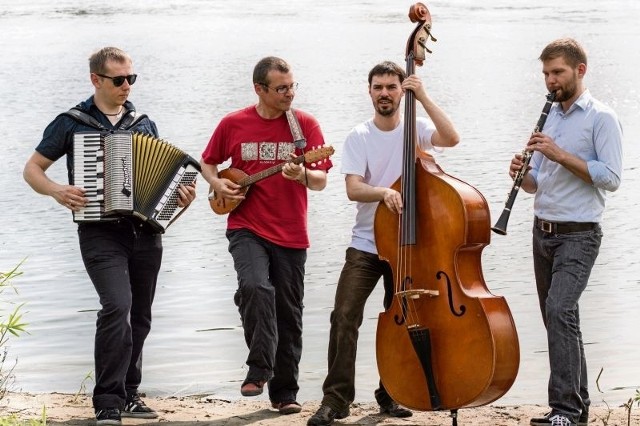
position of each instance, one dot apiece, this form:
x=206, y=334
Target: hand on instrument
x=393, y=200
x=414, y=83
x=72, y=197
x=516, y=165
x=545, y=145
x=293, y=171
x=226, y=188
x=186, y=194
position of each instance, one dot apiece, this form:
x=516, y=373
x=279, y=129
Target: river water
x=194, y=59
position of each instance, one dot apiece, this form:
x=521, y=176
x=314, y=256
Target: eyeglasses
x=119, y=80
x=282, y=89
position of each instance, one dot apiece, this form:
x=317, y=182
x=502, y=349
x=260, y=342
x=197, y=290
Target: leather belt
x=563, y=227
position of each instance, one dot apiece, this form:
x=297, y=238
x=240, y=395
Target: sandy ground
x=65, y=409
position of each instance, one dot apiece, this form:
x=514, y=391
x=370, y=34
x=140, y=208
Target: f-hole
x=452, y=308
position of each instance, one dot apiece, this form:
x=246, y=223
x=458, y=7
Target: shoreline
x=69, y=409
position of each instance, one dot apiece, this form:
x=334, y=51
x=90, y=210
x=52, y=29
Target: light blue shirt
x=589, y=130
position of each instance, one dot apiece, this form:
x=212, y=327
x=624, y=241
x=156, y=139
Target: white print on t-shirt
x=266, y=151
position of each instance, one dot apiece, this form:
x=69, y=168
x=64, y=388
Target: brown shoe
x=287, y=407
x=326, y=415
x=394, y=410
x=252, y=388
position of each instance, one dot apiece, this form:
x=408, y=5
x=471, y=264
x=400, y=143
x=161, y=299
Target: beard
x=567, y=91
x=386, y=109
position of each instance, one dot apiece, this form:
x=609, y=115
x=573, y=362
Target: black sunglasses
x=119, y=80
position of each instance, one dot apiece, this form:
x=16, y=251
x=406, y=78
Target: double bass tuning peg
x=422, y=41
x=430, y=35
x=424, y=46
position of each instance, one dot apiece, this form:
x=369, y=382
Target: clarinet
x=501, y=225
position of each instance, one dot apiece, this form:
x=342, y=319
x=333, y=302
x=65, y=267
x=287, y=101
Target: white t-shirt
x=376, y=155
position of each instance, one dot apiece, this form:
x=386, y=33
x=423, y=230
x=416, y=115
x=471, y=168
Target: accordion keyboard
x=88, y=154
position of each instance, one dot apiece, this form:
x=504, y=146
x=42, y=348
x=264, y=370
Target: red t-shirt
x=275, y=208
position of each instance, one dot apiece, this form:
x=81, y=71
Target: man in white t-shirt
x=372, y=162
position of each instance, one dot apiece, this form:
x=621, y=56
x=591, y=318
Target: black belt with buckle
x=563, y=227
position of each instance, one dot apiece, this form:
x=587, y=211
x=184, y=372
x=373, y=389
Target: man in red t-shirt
x=267, y=230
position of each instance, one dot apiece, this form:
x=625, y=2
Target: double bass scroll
x=444, y=342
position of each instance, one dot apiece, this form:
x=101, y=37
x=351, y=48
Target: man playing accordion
x=122, y=254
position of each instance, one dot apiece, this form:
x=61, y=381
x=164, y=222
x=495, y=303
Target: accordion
x=125, y=173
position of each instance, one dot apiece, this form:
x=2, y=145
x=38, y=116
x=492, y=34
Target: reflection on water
x=195, y=60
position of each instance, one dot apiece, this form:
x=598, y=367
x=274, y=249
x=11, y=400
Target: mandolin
x=221, y=205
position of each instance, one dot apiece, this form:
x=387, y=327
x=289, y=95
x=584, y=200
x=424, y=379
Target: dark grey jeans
x=270, y=301
x=122, y=261
x=360, y=274
x=562, y=265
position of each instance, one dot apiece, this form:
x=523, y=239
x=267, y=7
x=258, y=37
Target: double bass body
x=473, y=353
x=444, y=342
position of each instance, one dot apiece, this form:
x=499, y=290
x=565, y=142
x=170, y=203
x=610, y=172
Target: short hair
x=98, y=60
x=387, y=67
x=267, y=64
x=567, y=48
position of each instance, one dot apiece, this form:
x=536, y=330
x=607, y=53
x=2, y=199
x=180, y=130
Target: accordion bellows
x=127, y=173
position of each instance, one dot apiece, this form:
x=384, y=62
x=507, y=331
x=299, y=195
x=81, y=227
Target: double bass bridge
x=417, y=293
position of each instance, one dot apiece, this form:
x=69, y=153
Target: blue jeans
x=122, y=260
x=562, y=265
x=360, y=274
x=269, y=299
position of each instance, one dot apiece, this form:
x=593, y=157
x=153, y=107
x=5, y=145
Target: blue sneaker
x=546, y=420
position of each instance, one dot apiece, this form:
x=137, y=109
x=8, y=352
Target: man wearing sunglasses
x=122, y=256
x=267, y=232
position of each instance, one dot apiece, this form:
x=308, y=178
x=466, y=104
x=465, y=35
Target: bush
x=10, y=325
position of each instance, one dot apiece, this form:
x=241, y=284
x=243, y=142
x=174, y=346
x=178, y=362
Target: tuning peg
x=424, y=46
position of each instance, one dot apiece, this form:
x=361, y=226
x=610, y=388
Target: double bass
x=445, y=341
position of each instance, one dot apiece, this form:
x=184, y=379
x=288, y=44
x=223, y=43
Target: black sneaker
x=108, y=416
x=135, y=407
x=326, y=415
